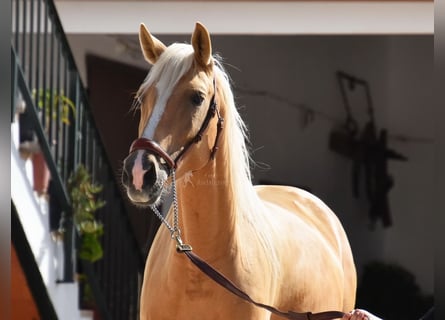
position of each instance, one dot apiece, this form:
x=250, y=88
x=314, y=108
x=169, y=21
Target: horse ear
x=202, y=45
x=151, y=47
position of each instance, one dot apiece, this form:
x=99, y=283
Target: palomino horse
x=281, y=245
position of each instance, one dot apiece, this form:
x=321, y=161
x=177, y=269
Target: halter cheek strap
x=152, y=146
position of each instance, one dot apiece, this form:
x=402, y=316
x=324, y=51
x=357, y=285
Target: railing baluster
x=44, y=66
x=60, y=95
x=31, y=52
x=81, y=135
x=17, y=24
x=14, y=85
x=38, y=39
x=78, y=137
x=65, y=145
x=23, y=49
x=87, y=145
x=93, y=162
x=52, y=91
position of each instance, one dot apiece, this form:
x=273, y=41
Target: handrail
x=43, y=70
x=60, y=190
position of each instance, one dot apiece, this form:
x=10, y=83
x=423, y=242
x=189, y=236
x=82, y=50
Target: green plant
x=58, y=100
x=84, y=201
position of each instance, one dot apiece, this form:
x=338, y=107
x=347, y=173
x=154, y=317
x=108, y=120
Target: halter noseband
x=152, y=146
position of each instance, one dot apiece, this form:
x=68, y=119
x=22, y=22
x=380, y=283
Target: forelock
x=172, y=65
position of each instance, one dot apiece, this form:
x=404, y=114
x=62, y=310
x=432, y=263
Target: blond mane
x=246, y=201
x=173, y=64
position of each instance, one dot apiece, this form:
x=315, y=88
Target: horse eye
x=197, y=98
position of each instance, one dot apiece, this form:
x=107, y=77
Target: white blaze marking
x=138, y=171
x=174, y=62
x=155, y=118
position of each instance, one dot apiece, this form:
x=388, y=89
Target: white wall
x=33, y=213
x=302, y=70
x=249, y=17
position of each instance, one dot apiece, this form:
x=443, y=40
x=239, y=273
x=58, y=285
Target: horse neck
x=206, y=213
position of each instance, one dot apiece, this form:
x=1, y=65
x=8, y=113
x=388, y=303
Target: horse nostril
x=149, y=175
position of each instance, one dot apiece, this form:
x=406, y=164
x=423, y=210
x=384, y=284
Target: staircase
x=51, y=117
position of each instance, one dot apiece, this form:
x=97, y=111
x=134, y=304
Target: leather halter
x=152, y=146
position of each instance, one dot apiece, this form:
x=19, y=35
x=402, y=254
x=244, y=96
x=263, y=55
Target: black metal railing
x=46, y=79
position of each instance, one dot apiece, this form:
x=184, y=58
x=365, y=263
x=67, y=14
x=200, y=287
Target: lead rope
x=218, y=277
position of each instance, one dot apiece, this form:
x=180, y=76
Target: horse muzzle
x=144, y=175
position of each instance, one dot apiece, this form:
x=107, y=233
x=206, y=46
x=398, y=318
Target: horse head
x=177, y=105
